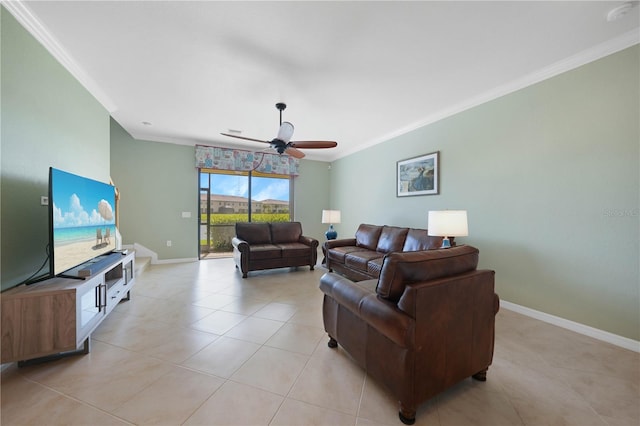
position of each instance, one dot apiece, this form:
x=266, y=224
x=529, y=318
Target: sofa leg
x=244, y=275
x=333, y=343
x=407, y=415
x=481, y=376
x=311, y=267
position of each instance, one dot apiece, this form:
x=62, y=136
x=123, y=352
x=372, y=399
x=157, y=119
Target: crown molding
x=23, y=14
x=39, y=31
x=592, y=54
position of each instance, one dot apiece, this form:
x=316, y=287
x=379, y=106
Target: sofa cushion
x=391, y=239
x=399, y=269
x=285, y=232
x=374, y=266
x=418, y=239
x=337, y=254
x=359, y=259
x=264, y=251
x=367, y=236
x=294, y=249
x=253, y=232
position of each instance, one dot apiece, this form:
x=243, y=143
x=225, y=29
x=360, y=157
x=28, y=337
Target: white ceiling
x=355, y=72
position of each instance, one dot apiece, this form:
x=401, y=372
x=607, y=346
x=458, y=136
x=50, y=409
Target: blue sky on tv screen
x=78, y=201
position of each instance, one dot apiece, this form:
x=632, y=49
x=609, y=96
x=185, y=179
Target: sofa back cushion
x=391, y=239
x=367, y=236
x=418, y=239
x=402, y=268
x=285, y=232
x=253, y=232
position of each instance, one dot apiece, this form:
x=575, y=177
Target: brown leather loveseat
x=426, y=324
x=259, y=246
x=360, y=258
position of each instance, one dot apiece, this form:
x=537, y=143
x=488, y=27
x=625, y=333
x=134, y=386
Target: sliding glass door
x=230, y=197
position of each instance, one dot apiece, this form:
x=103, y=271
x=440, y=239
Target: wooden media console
x=56, y=317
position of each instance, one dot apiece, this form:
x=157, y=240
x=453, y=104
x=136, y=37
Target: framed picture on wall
x=418, y=175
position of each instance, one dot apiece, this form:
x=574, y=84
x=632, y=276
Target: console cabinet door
x=35, y=325
x=91, y=306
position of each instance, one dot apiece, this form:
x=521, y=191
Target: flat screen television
x=82, y=223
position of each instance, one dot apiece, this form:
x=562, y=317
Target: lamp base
x=331, y=233
x=445, y=243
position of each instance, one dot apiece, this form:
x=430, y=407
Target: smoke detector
x=620, y=11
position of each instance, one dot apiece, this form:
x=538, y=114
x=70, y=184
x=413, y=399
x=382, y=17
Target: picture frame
x=418, y=175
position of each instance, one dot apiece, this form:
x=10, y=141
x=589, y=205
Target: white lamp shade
x=285, y=132
x=330, y=216
x=448, y=223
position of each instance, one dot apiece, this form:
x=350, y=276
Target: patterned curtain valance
x=213, y=157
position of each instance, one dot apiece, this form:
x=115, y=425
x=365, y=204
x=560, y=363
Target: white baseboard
x=605, y=336
x=142, y=251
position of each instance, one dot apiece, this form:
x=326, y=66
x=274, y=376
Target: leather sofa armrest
x=308, y=241
x=389, y=320
x=339, y=243
x=239, y=244
x=380, y=314
x=343, y=290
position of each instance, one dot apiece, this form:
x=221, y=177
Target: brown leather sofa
x=426, y=324
x=258, y=246
x=360, y=258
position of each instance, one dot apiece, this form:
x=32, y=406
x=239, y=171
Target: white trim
x=22, y=13
x=180, y=260
x=594, y=53
x=142, y=251
x=39, y=31
x=614, y=339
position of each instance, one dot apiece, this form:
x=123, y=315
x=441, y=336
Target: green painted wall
x=311, y=196
x=48, y=119
x=159, y=181
x=549, y=176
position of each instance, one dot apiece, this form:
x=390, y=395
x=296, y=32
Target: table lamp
x=331, y=217
x=448, y=223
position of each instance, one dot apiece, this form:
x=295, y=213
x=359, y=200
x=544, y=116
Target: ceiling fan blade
x=285, y=132
x=314, y=144
x=294, y=152
x=245, y=138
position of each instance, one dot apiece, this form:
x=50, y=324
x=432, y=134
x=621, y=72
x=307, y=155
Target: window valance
x=217, y=158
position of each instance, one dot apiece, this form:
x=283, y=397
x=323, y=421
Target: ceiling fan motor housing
x=278, y=145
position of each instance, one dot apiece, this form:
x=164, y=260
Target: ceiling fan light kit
x=282, y=143
x=285, y=132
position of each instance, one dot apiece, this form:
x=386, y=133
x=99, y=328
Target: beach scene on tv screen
x=83, y=219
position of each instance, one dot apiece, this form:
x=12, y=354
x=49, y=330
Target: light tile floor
x=199, y=345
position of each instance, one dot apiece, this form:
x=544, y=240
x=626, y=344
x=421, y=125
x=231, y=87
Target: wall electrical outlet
x=168, y=243
x=44, y=200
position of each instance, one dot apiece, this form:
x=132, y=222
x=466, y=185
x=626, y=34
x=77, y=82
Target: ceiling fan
x=283, y=143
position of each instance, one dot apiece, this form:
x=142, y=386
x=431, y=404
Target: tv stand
x=55, y=317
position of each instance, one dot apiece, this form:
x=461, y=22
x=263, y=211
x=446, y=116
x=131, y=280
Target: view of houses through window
x=230, y=197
